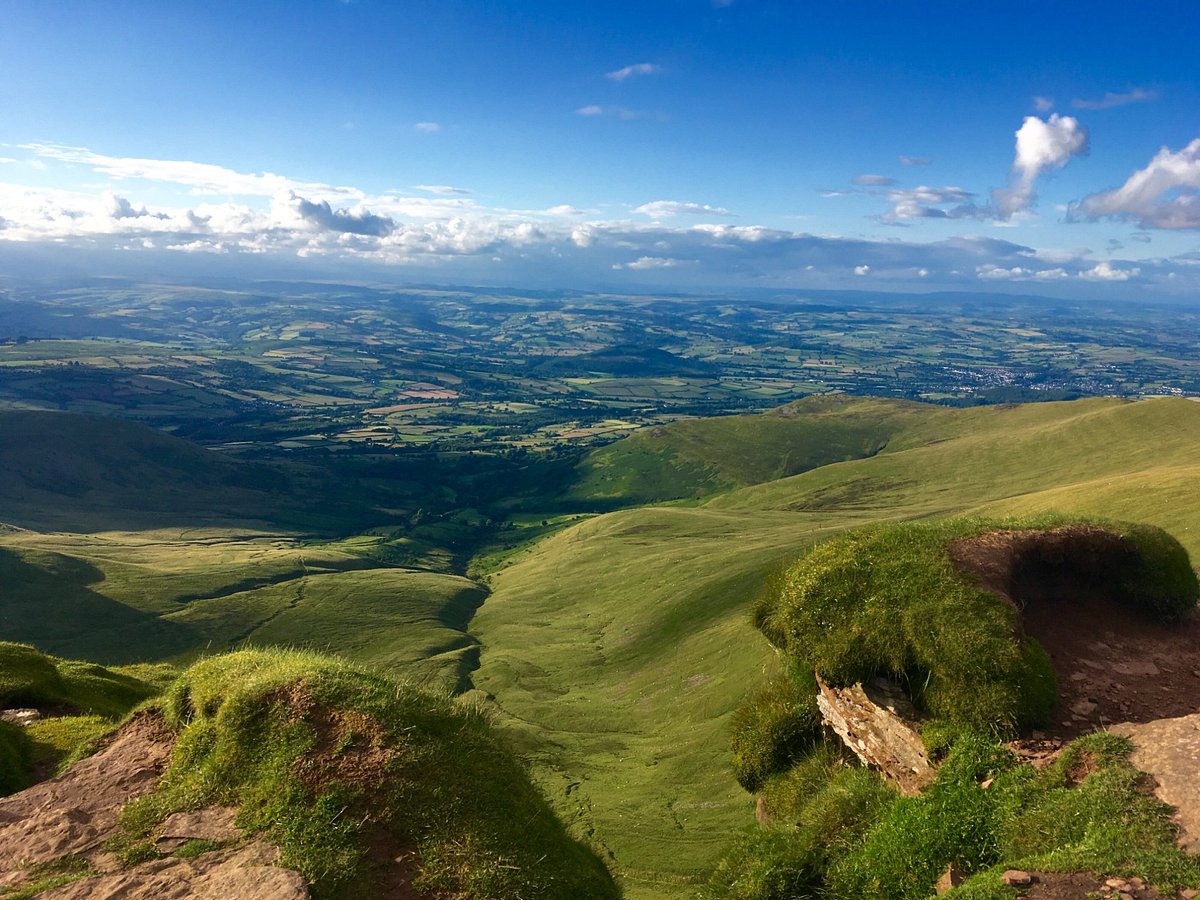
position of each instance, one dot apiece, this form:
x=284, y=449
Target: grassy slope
x=123, y=596
x=618, y=648
x=698, y=457
x=64, y=470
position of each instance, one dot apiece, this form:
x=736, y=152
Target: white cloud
x=862, y=270
x=1164, y=194
x=873, y=180
x=6, y=159
x=1041, y=145
x=925, y=202
x=650, y=262
x=1043, y=104
x=427, y=127
x=590, y=110
x=636, y=69
x=1110, y=99
x=1105, y=271
x=203, y=178
x=915, y=160
x=989, y=272
x=564, y=209
x=663, y=209
x=443, y=190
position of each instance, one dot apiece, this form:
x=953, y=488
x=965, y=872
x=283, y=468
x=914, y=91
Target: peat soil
x=1114, y=664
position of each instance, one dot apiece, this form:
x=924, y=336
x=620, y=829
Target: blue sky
x=692, y=143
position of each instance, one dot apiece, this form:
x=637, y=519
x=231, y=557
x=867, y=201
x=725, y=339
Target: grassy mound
x=896, y=600
x=30, y=678
x=330, y=761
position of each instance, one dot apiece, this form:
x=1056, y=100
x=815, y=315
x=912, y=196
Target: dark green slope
x=65, y=470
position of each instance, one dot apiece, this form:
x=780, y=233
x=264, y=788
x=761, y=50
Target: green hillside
x=695, y=458
x=76, y=472
x=614, y=651
x=618, y=649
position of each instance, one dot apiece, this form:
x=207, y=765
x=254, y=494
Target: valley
x=591, y=592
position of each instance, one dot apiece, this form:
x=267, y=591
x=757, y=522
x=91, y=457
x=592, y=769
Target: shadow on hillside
x=47, y=602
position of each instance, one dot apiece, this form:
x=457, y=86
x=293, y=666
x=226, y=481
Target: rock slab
x=877, y=722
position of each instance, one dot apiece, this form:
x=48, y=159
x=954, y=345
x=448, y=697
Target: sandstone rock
x=215, y=823
x=243, y=874
x=877, y=722
x=21, y=716
x=949, y=880
x=73, y=815
x=1017, y=878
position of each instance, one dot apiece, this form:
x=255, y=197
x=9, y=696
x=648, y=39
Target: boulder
x=878, y=723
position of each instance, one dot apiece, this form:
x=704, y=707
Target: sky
x=694, y=144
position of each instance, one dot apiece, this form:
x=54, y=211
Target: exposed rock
x=762, y=813
x=877, y=722
x=246, y=873
x=21, y=716
x=1169, y=750
x=1017, y=878
x=215, y=823
x=73, y=814
x=949, y=880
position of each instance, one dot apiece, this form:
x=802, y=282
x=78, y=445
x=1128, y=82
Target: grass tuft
x=776, y=726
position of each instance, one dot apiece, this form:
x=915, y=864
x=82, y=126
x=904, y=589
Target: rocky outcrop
x=877, y=722
x=1169, y=750
x=64, y=823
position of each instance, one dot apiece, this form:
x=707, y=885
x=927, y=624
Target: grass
x=843, y=835
x=30, y=678
x=888, y=600
x=616, y=651
x=89, y=700
x=327, y=758
x=701, y=457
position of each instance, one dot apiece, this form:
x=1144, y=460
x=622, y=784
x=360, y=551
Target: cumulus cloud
x=650, y=262
x=989, y=272
x=443, y=190
x=1164, y=194
x=120, y=208
x=636, y=69
x=664, y=209
x=1106, y=271
x=873, y=180
x=915, y=160
x=925, y=202
x=452, y=233
x=1111, y=99
x=1043, y=104
x=1041, y=145
x=362, y=222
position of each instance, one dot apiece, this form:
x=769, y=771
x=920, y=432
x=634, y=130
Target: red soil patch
x=1114, y=663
